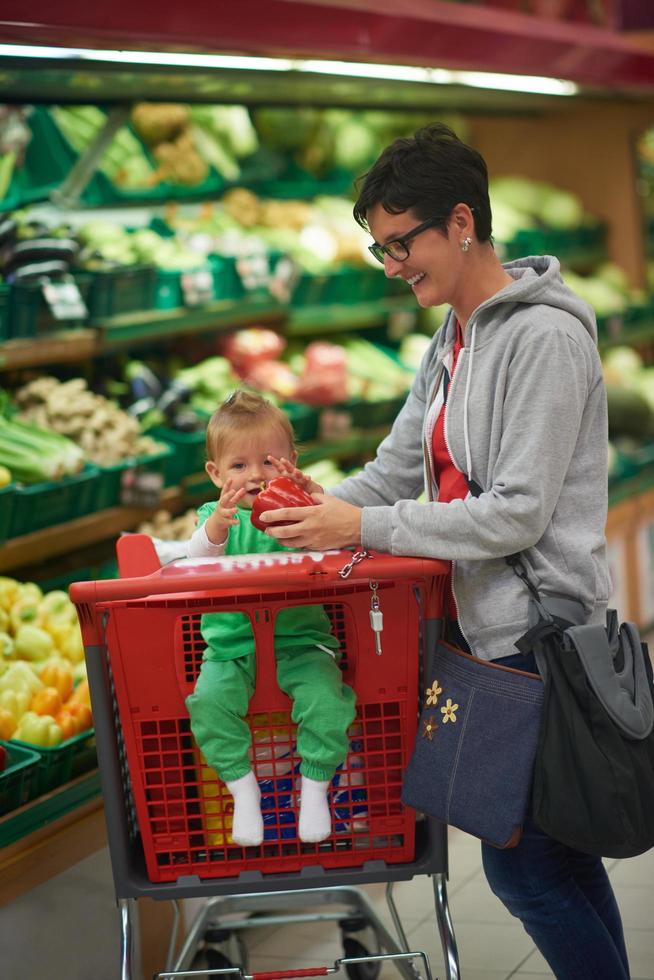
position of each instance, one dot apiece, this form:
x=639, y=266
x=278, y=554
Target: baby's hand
x=224, y=515
x=285, y=468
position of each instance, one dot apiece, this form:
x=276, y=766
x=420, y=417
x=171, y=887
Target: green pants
x=323, y=709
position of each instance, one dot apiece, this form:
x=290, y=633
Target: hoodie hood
x=537, y=283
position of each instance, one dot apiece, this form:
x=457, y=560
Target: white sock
x=247, y=825
x=315, y=818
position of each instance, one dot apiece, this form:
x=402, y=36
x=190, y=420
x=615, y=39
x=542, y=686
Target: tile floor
x=68, y=928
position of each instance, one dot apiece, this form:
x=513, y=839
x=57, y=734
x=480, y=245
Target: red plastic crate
x=151, y=625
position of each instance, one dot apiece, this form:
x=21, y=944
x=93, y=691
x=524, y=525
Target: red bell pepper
x=280, y=492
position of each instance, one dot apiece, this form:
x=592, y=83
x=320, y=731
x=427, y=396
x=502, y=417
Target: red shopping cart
x=169, y=816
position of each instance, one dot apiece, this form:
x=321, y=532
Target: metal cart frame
x=250, y=893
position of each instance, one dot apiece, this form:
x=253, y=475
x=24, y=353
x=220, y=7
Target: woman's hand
x=224, y=516
x=286, y=468
x=332, y=523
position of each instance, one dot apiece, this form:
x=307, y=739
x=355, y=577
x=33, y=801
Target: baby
x=249, y=441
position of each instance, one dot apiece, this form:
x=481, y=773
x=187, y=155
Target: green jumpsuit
x=307, y=671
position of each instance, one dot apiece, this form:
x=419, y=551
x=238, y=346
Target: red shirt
x=452, y=484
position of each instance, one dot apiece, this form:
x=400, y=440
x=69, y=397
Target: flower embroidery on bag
x=448, y=711
x=430, y=727
x=432, y=693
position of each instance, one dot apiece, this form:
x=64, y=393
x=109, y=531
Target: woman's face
x=433, y=267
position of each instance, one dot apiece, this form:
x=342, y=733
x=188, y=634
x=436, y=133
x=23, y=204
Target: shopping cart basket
x=168, y=815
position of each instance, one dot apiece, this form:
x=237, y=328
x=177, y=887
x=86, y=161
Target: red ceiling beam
x=421, y=32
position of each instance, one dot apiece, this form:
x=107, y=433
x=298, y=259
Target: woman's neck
x=484, y=278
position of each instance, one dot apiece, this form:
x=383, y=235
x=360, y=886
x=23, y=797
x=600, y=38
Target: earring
x=465, y=244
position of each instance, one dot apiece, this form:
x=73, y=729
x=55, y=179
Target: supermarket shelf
x=62, y=347
x=49, y=808
x=62, y=538
x=334, y=318
x=437, y=33
x=136, y=327
x=49, y=835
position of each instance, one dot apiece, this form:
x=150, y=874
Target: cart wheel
x=359, y=971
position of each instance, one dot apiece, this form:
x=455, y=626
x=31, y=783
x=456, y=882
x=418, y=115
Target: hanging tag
x=284, y=278
x=254, y=271
x=64, y=300
x=140, y=487
x=197, y=287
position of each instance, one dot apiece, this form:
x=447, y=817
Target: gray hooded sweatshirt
x=526, y=420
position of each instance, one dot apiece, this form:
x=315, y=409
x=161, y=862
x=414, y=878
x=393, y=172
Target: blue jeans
x=563, y=898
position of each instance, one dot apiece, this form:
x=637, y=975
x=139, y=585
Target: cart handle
x=207, y=576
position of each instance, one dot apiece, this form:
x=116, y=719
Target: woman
x=505, y=428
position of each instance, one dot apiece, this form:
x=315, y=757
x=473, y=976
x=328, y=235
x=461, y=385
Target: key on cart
x=376, y=617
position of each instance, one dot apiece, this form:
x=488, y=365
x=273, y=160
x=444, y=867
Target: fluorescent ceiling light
x=538, y=85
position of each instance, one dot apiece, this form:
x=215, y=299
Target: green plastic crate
x=169, y=289
x=367, y=415
x=18, y=780
x=60, y=764
x=29, y=314
x=111, y=478
x=187, y=454
x=304, y=420
x=6, y=510
x=226, y=280
x=114, y=292
x=49, y=158
x=54, y=502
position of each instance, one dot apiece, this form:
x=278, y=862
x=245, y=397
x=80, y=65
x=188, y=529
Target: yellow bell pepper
x=72, y=647
x=24, y=612
x=15, y=702
x=58, y=675
x=30, y=590
x=19, y=677
x=7, y=724
x=6, y=646
x=8, y=591
x=4, y=619
x=41, y=730
x=56, y=605
x=59, y=630
x=33, y=643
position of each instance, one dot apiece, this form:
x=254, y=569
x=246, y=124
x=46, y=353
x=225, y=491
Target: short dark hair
x=430, y=173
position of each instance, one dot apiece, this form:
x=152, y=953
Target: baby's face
x=245, y=461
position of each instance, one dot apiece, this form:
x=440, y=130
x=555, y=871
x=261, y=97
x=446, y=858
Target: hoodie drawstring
x=466, y=437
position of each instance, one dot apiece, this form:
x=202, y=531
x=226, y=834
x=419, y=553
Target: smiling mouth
x=416, y=279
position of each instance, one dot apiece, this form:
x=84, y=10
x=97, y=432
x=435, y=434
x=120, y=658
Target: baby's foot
x=247, y=824
x=315, y=818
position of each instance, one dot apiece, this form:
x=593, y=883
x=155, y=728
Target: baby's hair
x=241, y=413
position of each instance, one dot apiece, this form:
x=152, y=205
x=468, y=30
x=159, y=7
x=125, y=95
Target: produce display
x=103, y=431
x=44, y=697
x=30, y=453
x=630, y=393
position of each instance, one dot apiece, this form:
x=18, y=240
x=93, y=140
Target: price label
x=140, y=487
x=197, y=287
x=65, y=300
x=285, y=275
x=254, y=271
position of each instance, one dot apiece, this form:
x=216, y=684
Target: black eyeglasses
x=398, y=248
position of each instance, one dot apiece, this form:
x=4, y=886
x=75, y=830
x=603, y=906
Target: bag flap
x=624, y=693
